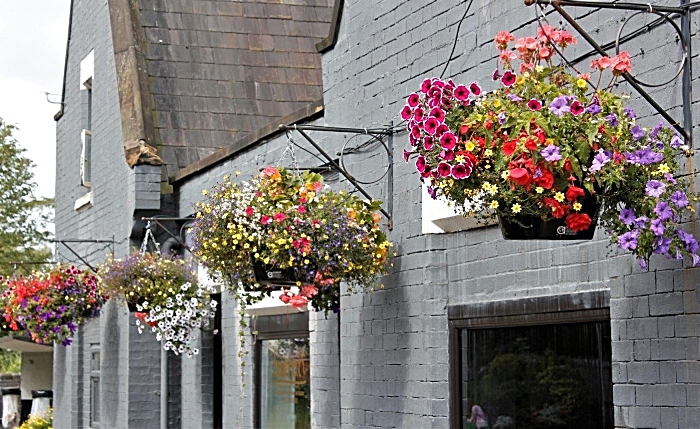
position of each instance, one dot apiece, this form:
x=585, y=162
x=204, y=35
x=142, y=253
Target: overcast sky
x=32, y=51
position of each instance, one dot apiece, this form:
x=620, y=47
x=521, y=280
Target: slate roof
x=220, y=70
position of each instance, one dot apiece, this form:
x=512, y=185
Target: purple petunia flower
x=642, y=263
x=657, y=227
x=637, y=132
x=560, y=105
x=676, y=141
x=593, y=109
x=612, y=119
x=602, y=158
x=630, y=113
x=689, y=242
x=679, y=199
x=514, y=98
x=663, y=210
x=640, y=222
x=643, y=156
x=432, y=192
x=662, y=245
x=628, y=240
x=627, y=216
x=670, y=179
x=654, y=188
x=501, y=118
x=551, y=153
x=655, y=131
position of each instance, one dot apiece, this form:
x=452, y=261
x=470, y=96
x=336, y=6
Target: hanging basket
x=273, y=275
x=535, y=228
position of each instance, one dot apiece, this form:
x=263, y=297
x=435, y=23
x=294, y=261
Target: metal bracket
x=77, y=255
x=374, y=132
x=179, y=239
x=684, y=11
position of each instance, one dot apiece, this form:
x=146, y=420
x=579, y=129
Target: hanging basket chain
x=149, y=237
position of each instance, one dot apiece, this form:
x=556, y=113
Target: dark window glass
x=550, y=376
x=285, y=399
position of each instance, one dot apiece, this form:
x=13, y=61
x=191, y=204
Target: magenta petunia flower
x=475, y=89
x=442, y=129
x=420, y=163
x=413, y=99
x=461, y=171
x=419, y=115
x=447, y=155
x=415, y=131
x=496, y=74
x=444, y=169
x=534, y=104
x=406, y=155
x=448, y=141
x=438, y=114
x=425, y=86
x=576, y=108
x=406, y=113
x=508, y=78
x=461, y=92
x=428, y=143
x=431, y=125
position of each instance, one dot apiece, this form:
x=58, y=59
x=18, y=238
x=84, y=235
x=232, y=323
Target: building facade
x=164, y=98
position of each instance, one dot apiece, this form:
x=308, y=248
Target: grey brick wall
x=117, y=192
x=389, y=367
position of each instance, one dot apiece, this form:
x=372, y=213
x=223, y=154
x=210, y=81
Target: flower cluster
x=50, y=306
x=166, y=295
x=550, y=145
x=289, y=221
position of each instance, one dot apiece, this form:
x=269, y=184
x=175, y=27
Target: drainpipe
x=163, y=388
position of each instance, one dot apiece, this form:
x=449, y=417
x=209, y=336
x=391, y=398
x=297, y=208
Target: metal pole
x=604, y=5
x=337, y=129
x=687, y=87
x=390, y=179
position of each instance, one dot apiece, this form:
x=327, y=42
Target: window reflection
x=552, y=376
x=285, y=398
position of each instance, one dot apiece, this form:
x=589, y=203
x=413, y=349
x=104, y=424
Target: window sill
x=84, y=202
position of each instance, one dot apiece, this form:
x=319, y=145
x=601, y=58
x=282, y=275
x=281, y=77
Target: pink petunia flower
x=444, y=169
x=431, y=125
x=406, y=113
x=413, y=100
x=438, y=114
x=508, y=78
x=249, y=211
x=475, y=89
x=461, y=92
x=264, y=219
x=534, y=104
x=279, y=217
x=448, y=141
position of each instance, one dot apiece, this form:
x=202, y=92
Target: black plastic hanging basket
x=273, y=275
x=535, y=228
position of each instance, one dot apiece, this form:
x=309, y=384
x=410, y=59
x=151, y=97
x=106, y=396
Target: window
x=87, y=66
x=525, y=368
x=282, y=372
x=94, y=385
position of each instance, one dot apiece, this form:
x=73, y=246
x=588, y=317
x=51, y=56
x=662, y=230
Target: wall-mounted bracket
x=377, y=133
x=66, y=243
x=684, y=33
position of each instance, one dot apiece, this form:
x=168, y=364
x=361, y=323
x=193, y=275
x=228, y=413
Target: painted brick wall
x=392, y=358
x=116, y=192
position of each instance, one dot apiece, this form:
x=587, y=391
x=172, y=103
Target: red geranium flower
x=578, y=222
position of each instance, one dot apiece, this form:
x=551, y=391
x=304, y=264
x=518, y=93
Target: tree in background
x=23, y=217
x=23, y=220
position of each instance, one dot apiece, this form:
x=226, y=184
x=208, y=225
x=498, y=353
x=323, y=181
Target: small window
x=85, y=156
x=282, y=372
x=95, y=366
